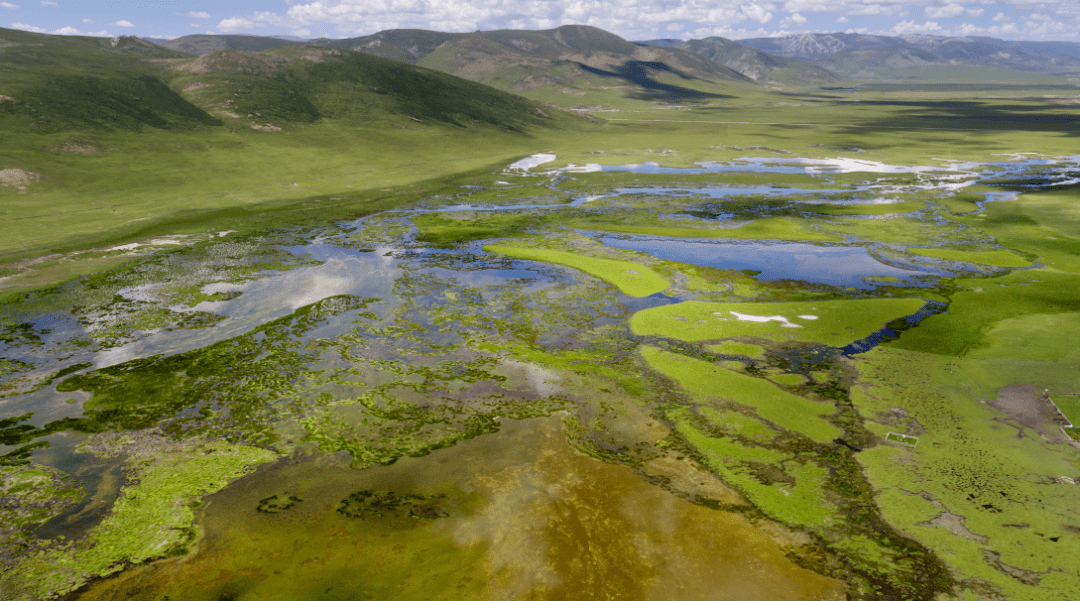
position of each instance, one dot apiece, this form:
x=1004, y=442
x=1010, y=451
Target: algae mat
x=506, y=526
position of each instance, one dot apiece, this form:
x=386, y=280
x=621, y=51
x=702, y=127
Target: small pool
x=834, y=265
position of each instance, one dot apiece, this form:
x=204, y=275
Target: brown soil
x=6, y=98
x=17, y=178
x=1031, y=408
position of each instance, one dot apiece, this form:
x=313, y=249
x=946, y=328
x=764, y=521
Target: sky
x=631, y=19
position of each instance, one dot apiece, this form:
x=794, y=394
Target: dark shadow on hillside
x=637, y=73
x=973, y=117
x=976, y=115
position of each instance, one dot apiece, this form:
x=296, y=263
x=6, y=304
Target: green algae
x=730, y=347
x=152, y=517
x=788, y=411
x=832, y=322
x=532, y=503
x=631, y=278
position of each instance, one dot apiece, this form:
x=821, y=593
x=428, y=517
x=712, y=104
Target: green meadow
x=274, y=319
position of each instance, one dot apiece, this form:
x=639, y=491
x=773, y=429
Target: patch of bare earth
x=264, y=126
x=19, y=179
x=229, y=114
x=73, y=148
x=1032, y=409
x=198, y=85
x=6, y=98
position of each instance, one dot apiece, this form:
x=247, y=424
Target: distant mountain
x=868, y=56
x=751, y=62
x=205, y=44
x=572, y=58
x=129, y=45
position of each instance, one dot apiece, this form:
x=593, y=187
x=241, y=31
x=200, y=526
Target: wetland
x=819, y=378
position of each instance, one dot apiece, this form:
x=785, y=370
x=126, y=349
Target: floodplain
x=662, y=360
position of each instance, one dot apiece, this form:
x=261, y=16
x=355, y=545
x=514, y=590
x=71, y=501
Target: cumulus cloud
x=25, y=27
x=47, y=3
x=122, y=23
x=905, y=27
x=8, y=5
x=944, y=12
x=757, y=13
x=641, y=19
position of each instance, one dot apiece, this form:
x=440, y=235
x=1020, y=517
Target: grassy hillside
x=571, y=66
x=757, y=65
x=205, y=44
x=129, y=45
x=103, y=147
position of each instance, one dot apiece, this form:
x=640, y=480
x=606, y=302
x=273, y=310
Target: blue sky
x=632, y=19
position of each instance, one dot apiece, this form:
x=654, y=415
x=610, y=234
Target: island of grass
x=834, y=322
x=993, y=258
x=630, y=278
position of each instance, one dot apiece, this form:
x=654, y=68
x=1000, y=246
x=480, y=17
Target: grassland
x=735, y=397
x=630, y=278
x=836, y=323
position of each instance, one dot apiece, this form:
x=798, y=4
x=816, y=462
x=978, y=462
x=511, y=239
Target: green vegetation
x=630, y=278
x=705, y=380
x=995, y=258
x=836, y=323
x=313, y=260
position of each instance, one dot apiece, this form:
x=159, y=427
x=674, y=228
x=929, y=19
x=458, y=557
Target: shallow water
x=527, y=515
x=846, y=266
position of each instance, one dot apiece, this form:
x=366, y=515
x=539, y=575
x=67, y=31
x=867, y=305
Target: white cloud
x=905, y=27
x=975, y=12
x=797, y=18
x=842, y=20
x=757, y=13
x=944, y=12
x=47, y=3
x=302, y=33
x=998, y=18
x=25, y=27
x=122, y=24
x=8, y=5
x=72, y=31
x=87, y=21
x=195, y=15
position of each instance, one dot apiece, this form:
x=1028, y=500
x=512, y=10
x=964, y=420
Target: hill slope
x=100, y=147
x=558, y=65
x=751, y=62
x=869, y=56
x=205, y=44
x=129, y=45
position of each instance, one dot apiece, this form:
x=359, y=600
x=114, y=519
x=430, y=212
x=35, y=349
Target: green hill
x=103, y=146
x=129, y=45
x=573, y=65
x=205, y=44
